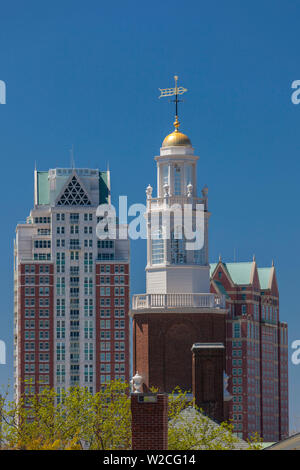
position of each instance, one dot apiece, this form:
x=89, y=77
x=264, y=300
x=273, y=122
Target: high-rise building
x=71, y=289
x=256, y=349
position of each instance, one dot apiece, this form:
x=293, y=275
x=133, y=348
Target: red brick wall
x=149, y=423
x=162, y=345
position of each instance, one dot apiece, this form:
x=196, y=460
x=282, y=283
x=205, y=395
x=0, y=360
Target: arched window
x=178, y=251
x=157, y=247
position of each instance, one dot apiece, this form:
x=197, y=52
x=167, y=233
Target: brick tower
x=178, y=309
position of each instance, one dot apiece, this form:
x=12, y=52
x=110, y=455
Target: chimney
x=149, y=421
x=208, y=367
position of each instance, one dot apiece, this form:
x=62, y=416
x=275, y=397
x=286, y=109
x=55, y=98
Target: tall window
x=165, y=174
x=178, y=251
x=157, y=243
x=188, y=174
x=177, y=180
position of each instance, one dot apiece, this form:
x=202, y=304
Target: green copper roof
x=239, y=272
x=42, y=187
x=264, y=277
x=212, y=268
x=222, y=289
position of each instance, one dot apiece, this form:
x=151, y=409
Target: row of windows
x=42, y=256
x=43, y=302
x=106, y=324
x=119, y=367
x=106, y=291
x=106, y=313
x=31, y=368
x=42, y=313
x=42, y=244
x=31, y=324
x=40, y=280
x=107, y=346
x=74, y=216
x=89, y=353
x=44, y=346
x=30, y=268
x=118, y=301
x=106, y=357
x=42, y=220
x=110, y=280
x=32, y=291
x=118, y=334
x=31, y=334
x=117, y=268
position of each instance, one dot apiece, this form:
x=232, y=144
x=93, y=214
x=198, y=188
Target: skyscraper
x=256, y=349
x=71, y=289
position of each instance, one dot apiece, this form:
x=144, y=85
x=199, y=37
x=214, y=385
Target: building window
x=178, y=251
x=177, y=180
x=157, y=244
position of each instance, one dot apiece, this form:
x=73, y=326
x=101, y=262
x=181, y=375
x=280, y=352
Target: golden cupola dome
x=176, y=138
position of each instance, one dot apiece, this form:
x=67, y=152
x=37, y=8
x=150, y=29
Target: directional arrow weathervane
x=173, y=92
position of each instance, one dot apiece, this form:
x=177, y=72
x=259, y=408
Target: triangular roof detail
x=73, y=193
x=265, y=279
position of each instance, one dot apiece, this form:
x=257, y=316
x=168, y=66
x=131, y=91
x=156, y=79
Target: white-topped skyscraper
x=71, y=289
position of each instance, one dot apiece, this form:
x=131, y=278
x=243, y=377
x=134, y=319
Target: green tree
x=78, y=419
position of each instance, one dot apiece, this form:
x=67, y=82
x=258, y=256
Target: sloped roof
x=195, y=420
x=264, y=275
x=240, y=273
x=221, y=288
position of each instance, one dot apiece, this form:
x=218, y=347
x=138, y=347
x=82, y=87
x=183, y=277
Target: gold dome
x=176, y=138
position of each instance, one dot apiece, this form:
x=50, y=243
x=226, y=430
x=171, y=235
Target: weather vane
x=173, y=92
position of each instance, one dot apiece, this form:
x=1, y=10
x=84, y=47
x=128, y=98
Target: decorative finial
x=204, y=191
x=273, y=263
x=136, y=383
x=254, y=258
x=149, y=191
x=174, y=92
x=226, y=394
x=220, y=258
x=189, y=190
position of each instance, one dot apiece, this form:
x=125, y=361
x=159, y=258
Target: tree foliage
x=78, y=419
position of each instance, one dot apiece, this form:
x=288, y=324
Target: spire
x=273, y=263
x=174, y=92
x=220, y=258
x=254, y=258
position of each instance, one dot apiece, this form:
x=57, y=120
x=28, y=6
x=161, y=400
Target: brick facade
x=162, y=345
x=149, y=421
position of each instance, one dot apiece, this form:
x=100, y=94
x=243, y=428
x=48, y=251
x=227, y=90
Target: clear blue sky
x=88, y=73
